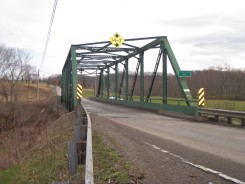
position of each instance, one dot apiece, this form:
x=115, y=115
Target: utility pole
x=37, y=85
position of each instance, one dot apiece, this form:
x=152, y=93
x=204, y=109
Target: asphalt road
x=214, y=149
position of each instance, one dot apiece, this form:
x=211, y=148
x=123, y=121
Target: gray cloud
x=230, y=21
x=222, y=39
x=213, y=44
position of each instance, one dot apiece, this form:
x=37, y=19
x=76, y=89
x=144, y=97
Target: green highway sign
x=184, y=73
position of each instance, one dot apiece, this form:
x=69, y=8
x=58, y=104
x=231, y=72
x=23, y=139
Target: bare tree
x=3, y=64
x=29, y=74
x=13, y=62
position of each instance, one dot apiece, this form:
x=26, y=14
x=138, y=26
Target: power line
x=48, y=35
x=46, y=46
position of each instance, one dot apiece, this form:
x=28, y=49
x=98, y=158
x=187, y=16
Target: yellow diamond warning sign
x=116, y=40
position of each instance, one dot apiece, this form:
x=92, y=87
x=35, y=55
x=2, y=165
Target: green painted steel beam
x=142, y=49
x=121, y=83
x=187, y=110
x=69, y=86
x=98, y=56
x=89, y=61
x=182, y=82
x=108, y=82
x=104, y=49
x=74, y=77
x=164, y=77
x=142, y=82
x=126, y=79
x=116, y=81
x=135, y=78
x=126, y=40
x=102, y=83
x=154, y=74
x=99, y=85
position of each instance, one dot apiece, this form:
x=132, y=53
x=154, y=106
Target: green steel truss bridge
x=103, y=58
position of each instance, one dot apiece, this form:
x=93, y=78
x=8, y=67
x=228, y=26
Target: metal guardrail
x=80, y=149
x=217, y=113
x=89, y=174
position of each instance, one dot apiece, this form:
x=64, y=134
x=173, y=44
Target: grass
x=28, y=92
x=9, y=175
x=37, y=151
x=109, y=166
x=88, y=93
x=220, y=104
x=226, y=104
x=38, y=170
x=46, y=161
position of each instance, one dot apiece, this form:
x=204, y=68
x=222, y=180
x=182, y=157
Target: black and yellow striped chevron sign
x=79, y=91
x=201, y=98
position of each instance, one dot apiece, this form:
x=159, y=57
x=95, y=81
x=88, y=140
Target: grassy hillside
x=45, y=160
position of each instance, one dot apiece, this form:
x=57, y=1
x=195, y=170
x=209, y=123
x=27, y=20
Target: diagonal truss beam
x=134, y=80
x=154, y=74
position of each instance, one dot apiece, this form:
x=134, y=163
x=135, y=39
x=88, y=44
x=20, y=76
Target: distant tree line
x=219, y=83
x=54, y=79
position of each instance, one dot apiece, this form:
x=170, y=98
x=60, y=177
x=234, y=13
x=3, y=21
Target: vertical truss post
x=182, y=82
x=95, y=82
x=154, y=74
x=65, y=82
x=65, y=86
x=108, y=82
x=69, y=86
x=74, y=77
x=142, y=77
x=126, y=79
x=69, y=95
x=116, y=80
x=63, y=93
x=99, y=84
x=164, y=77
x=102, y=83
x=121, y=83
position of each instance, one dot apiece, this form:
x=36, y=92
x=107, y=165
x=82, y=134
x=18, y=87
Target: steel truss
x=104, y=57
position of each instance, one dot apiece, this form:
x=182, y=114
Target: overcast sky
x=202, y=33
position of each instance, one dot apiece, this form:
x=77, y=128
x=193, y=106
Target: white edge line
x=206, y=169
